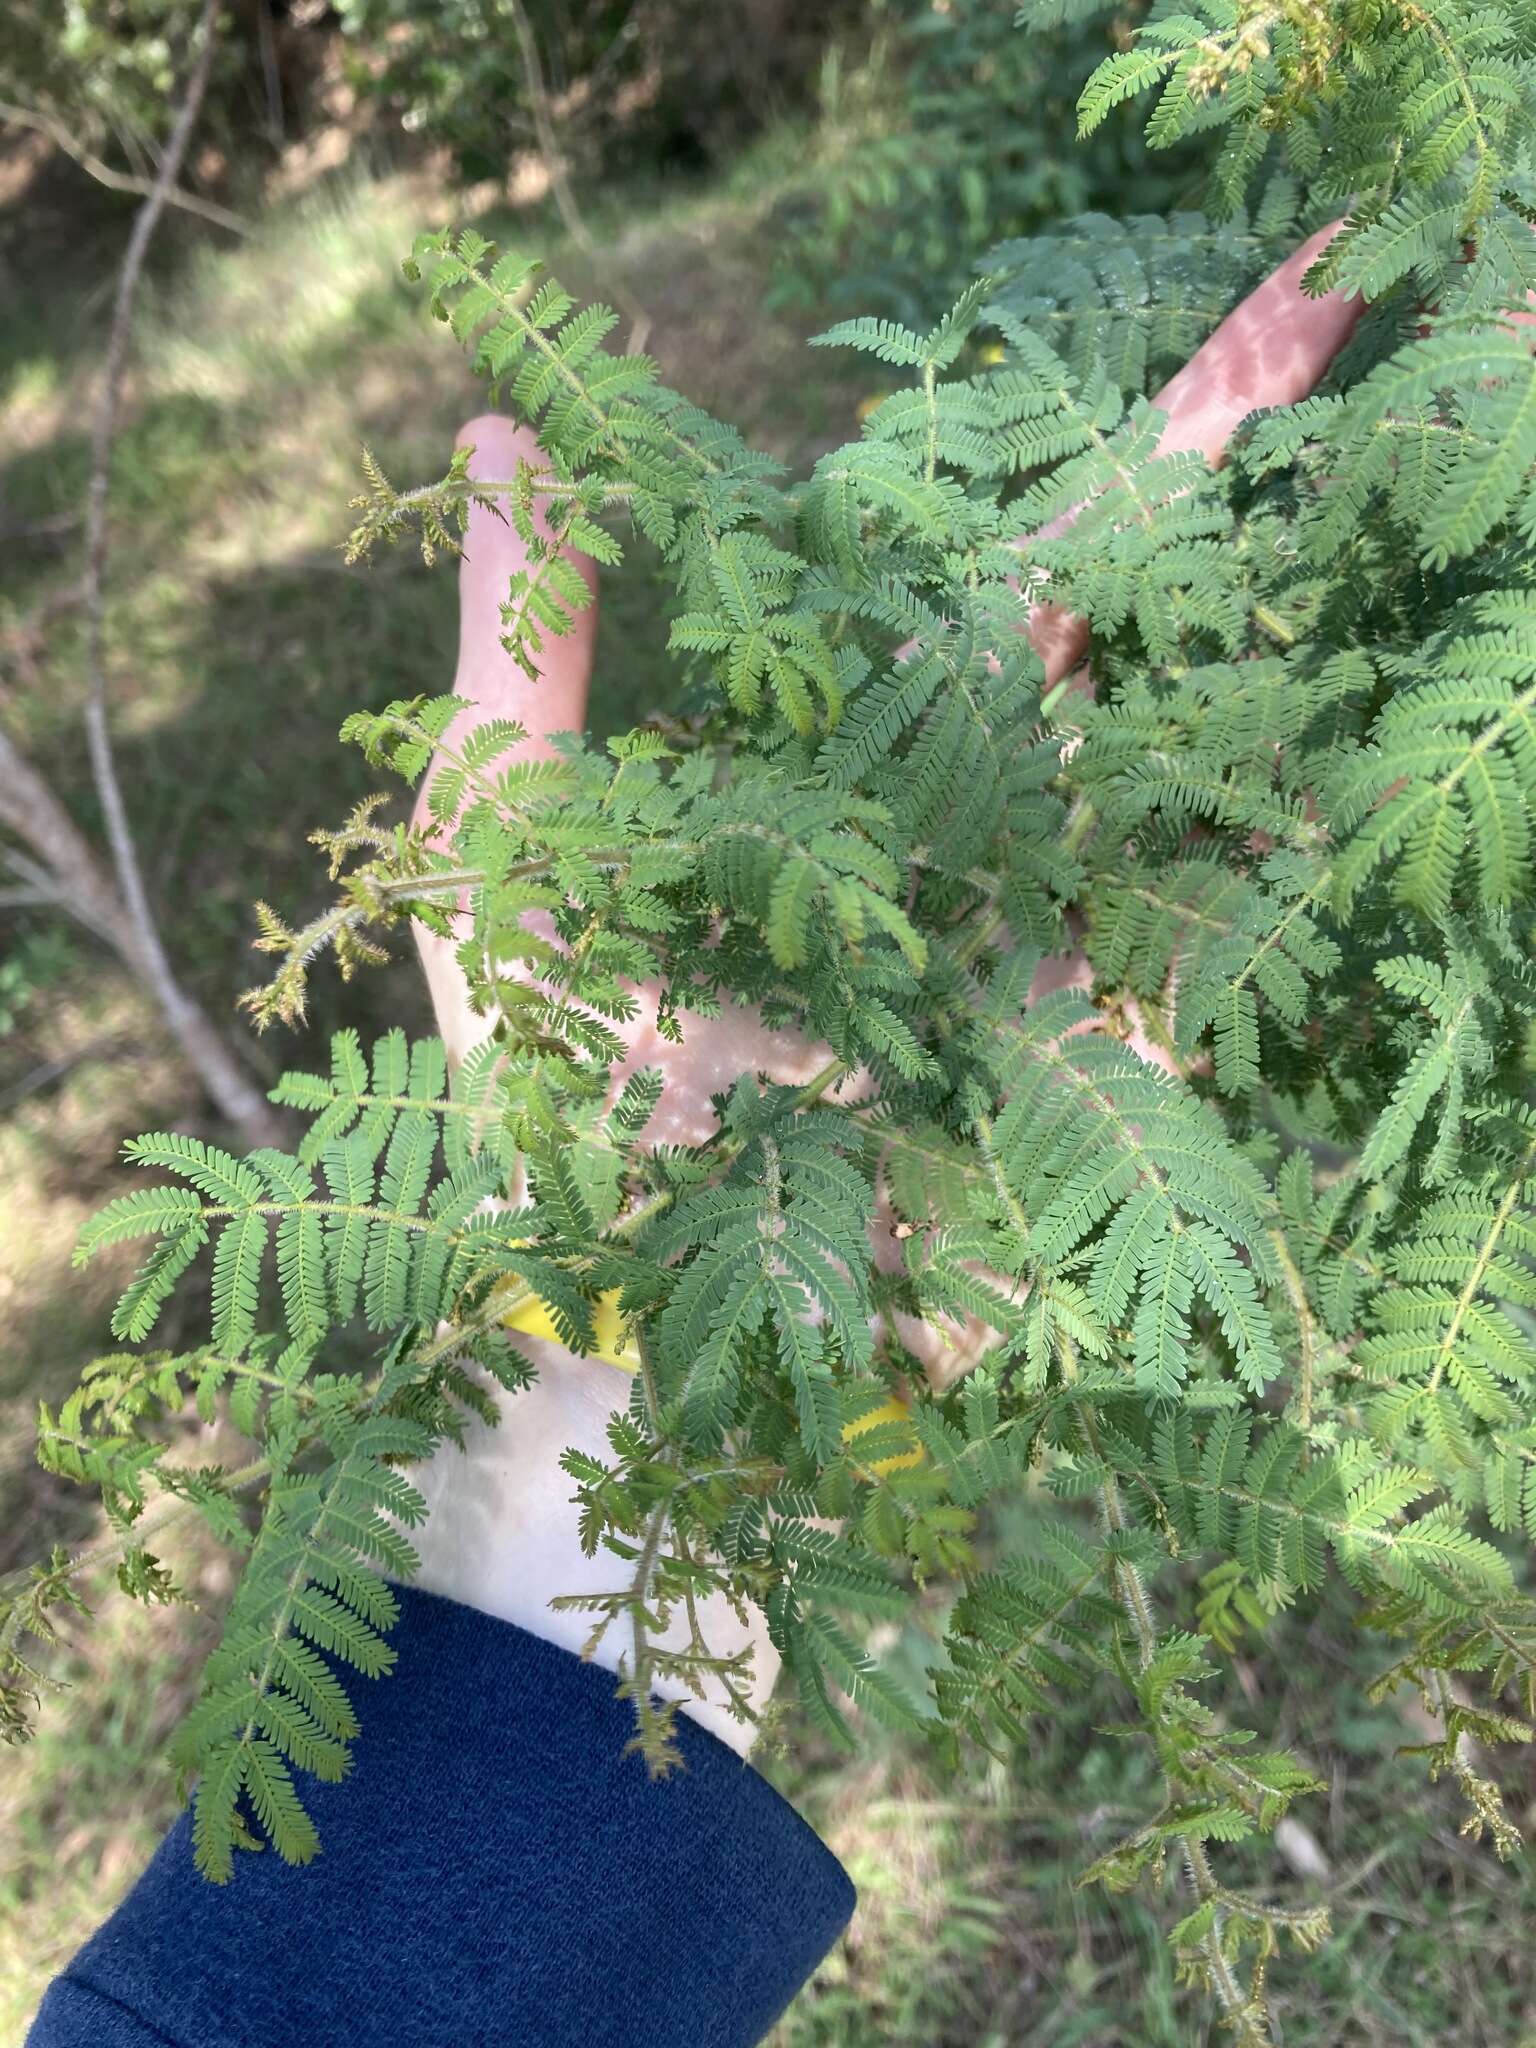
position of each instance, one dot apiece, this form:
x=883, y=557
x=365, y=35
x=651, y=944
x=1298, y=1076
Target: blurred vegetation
x=940, y=132
x=740, y=174
x=630, y=82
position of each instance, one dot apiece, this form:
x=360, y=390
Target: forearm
x=496, y=1870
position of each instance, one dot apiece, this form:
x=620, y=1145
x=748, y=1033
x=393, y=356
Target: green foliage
x=1411, y=113
x=942, y=130
x=1135, y=298
x=455, y=74
x=1255, y=1322
x=102, y=68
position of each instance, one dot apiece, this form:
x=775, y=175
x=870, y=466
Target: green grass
x=238, y=644
x=82, y=1807
x=972, y=1930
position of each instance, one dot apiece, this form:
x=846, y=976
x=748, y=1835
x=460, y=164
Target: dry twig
x=117, y=181
x=67, y=869
x=560, y=172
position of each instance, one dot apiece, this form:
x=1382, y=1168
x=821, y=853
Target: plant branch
x=227, y=1083
x=119, y=181
x=558, y=166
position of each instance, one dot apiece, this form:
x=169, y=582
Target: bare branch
x=64, y=872
x=559, y=169
x=117, y=181
x=272, y=77
x=63, y=847
x=65, y=869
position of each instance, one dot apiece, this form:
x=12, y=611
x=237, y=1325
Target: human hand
x=502, y=1532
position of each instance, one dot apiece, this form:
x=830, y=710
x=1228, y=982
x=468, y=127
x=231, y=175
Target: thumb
x=556, y=700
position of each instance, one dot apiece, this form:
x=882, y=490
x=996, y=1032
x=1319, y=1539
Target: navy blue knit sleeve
x=495, y=1873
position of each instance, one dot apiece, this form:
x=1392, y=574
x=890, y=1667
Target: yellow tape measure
x=615, y=1346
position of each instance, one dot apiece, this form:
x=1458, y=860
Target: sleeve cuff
x=495, y=1871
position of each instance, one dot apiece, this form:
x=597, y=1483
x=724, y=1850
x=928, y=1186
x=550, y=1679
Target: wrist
x=503, y=1532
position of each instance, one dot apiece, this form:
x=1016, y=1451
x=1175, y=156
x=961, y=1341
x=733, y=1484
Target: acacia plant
x=1257, y=1317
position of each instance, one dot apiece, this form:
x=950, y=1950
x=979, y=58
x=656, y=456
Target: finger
x=494, y=685
x=556, y=701
x=1270, y=350
x=1060, y=638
